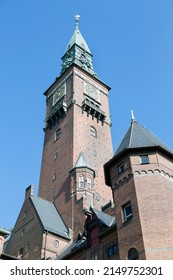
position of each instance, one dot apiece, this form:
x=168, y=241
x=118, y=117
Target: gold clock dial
x=58, y=94
x=91, y=91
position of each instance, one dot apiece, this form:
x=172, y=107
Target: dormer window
x=144, y=159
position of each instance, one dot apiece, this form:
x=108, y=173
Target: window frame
x=93, y=132
x=127, y=217
x=81, y=181
x=121, y=168
x=58, y=134
x=144, y=159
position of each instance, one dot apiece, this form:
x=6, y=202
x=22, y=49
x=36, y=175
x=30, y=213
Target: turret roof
x=82, y=162
x=77, y=38
x=138, y=136
x=77, y=52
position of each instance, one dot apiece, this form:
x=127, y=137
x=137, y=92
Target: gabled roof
x=138, y=136
x=104, y=218
x=49, y=217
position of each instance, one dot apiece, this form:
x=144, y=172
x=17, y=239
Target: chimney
x=29, y=191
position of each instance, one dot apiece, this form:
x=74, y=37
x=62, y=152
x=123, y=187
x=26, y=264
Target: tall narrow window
x=20, y=254
x=93, y=132
x=27, y=248
x=57, y=134
x=89, y=183
x=81, y=181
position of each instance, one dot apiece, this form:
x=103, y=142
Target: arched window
x=93, y=132
x=133, y=254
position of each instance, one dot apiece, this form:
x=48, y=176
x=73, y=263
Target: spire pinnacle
x=132, y=116
x=77, y=17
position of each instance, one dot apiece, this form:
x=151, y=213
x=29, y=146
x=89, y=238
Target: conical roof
x=138, y=136
x=77, y=52
x=77, y=39
x=82, y=162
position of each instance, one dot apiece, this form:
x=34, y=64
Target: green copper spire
x=77, y=51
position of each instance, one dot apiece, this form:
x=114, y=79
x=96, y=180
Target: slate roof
x=82, y=162
x=49, y=217
x=138, y=136
x=104, y=218
x=72, y=248
x=77, y=39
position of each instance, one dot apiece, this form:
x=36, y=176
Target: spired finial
x=132, y=116
x=77, y=17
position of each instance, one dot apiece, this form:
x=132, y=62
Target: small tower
x=77, y=119
x=141, y=177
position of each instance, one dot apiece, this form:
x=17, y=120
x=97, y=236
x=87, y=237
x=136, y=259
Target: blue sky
x=132, y=46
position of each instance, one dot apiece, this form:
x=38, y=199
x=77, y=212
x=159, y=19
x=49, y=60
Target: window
x=93, y=131
x=57, y=134
x=81, y=181
x=121, y=168
x=106, y=206
x=89, y=184
x=133, y=254
x=127, y=212
x=94, y=256
x=56, y=243
x=20, y=254
x=27, y=248
x=97, y=196
x=24, y=215
x=22, y=232
x=112, y=250
x=54, y=177
x=55, y=155
x=144, y=159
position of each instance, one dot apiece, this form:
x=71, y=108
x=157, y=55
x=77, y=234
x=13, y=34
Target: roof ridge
x=131, y=133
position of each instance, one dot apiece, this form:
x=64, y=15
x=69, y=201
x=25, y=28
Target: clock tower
x=77, y=141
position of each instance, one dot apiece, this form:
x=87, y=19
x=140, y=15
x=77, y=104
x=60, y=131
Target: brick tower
x=141, y=177
x=77, y=139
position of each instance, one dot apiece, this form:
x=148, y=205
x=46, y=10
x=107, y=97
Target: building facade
x=93, y=204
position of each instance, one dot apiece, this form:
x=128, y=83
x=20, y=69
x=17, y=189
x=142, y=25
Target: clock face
x=92, y=91
x=59, y=92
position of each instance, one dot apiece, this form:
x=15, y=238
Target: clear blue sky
x=132, y=46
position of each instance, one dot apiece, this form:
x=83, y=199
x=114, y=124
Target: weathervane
x=132, y=116
x=77, y=17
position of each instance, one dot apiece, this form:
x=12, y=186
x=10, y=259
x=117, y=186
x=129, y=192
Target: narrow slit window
x=93, y=132
x=57, y=134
